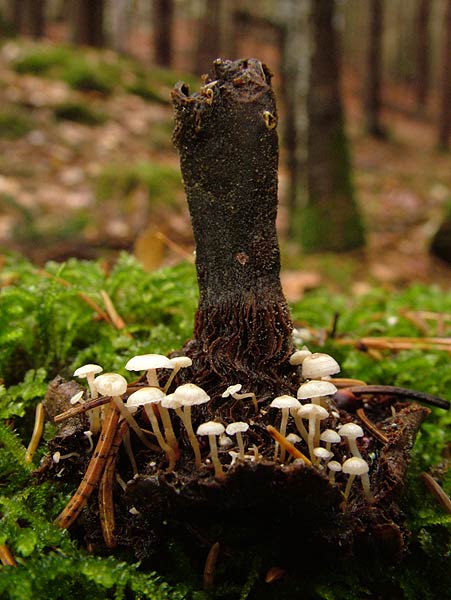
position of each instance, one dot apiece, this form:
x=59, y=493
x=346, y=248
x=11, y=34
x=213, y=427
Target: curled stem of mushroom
x=37, y=432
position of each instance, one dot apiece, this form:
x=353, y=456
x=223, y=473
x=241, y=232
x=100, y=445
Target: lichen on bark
x=227, y=139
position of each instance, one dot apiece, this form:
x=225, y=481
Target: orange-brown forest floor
x=49, y=205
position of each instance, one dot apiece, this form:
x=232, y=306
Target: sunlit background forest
x=87, y=164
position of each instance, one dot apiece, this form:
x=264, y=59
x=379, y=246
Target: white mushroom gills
x=357, y=467
x=352, y=431
x=213, y=429
x=237, y=429
x=285, y=404
x=149, y=363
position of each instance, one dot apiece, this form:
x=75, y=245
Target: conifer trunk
x=227, y=140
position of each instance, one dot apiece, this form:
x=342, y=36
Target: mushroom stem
x=125, y=413
x=191, y=435
x=160, y=439
x=168, y=429
x=283, y=431
x=219, y=473
x=152, y=378
x=348, y=487
x=299, y=424
x=239, y=439
x=250, y=395
x=171, y=377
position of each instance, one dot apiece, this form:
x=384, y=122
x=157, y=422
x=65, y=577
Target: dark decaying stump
x=282, y=512
x=227, y=140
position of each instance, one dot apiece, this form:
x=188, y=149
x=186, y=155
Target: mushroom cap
x=316, y=388
x=355, y=466
x=86, y=370
x=319, y=365
x=232, y=389
x=322, y=453
x=293, y=438
x=285, y=402
x=334, y=466
x=351, y=431
x=143, y=362
x=309, y=411
x=298, y=357
x=330, y=436
x=237, y=427
x=170, y=401
x=181, y=361
x=111, y=384
x=76, y=397
x=145, y=395
x=210, y=428
x=190, y=394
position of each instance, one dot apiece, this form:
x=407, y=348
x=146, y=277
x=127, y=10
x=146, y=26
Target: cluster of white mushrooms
x=307, y=416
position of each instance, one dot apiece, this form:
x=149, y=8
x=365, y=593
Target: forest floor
x=69, y=188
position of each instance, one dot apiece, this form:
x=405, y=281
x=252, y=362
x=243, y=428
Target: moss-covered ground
x=48, y=326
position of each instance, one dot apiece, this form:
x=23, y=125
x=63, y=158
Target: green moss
x=145, y=90
x=14, y=123
x=162, y=182
x=43, y=60
x=79, y=113
x=47, y=328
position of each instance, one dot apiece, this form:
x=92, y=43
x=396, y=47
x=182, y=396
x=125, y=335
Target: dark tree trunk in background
x=332, y=221
x=163, y=18
x=215, y=33
x=87, y=18
x=28, y=17
x=227, y=140
x=372, y=91
x=422, y=54
x=445, y=92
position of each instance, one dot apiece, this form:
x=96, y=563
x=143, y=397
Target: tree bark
x=372, y=92
x=227, y=140
x=445, y=94
x=330, y=221
x=422, y=54
x=88, y=23
x=163, y=17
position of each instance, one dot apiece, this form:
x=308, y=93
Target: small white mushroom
x=89, y=372
x=149, y=363
x=317, y=390
x=147, y=397
x=77, y=398
x=357, y=467
x=298, y=357
x=329, y=437
x=233, y=390
x=178, y=362
x=190, y=395
x=334, y=467
x=314, y=414
x=352, y=431
x=321, y=453
x=319, y=365
x=213, y=429
x=237, y=429
x=285, y=404
x=114, y=385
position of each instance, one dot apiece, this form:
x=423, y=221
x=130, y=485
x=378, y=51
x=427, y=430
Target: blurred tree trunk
x=215, y=33
x=28, y=17
x=422, y=54
x=121, y=25
x=445, y=93
x=441, y=242
x=163, y=19
x=372, y=91
x=87, y=18
x=321, y=192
